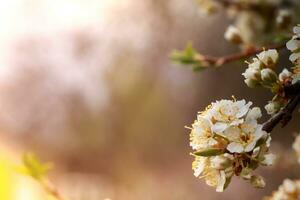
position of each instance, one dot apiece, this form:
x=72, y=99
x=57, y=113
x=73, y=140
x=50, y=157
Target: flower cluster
x=289, y=190
x=260, y=73
x=229, y=141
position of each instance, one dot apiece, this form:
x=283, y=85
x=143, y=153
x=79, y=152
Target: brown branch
x=218, y=61
x=285, y=114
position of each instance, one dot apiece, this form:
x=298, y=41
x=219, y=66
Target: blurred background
x=89, y=86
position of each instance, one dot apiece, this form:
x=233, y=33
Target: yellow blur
x=15, y=186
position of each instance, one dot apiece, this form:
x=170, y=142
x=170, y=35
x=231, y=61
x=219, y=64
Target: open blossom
x=215, y=170
x=294, y=45
x=289, y=190
x=228, y=141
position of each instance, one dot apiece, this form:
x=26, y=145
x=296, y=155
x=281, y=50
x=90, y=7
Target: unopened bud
x=257, y=181
x=272, y=107
x=269, y=57
x=268, y=75
x=233, y=35
x=251, y=83
x=252, y=73
x=285, y=74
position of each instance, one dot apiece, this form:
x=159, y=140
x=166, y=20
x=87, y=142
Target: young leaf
x=209, y=152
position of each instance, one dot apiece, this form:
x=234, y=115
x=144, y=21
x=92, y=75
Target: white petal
x=221, y=182
x=259, y=132
x=294, y=57
x=244, y=109
x=254, y=113
x=219, y=127
x=198, y=130
x=293, y=44
x=250, y=146
x=249, y=126
x=232, y=133
x=236, y=122
x=235, y=147
x=199, y=165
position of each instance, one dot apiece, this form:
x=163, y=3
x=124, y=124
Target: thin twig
x=219, y=61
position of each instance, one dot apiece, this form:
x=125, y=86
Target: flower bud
x=268, y=75
x=269, y=57
x=257, y=181
x=233, y=35
x=251, y=83
x=268, y=159
x=284, y=74
x=272, y=107
x=252, y=73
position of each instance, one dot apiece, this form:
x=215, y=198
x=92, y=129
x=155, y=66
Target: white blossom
x=222, y=135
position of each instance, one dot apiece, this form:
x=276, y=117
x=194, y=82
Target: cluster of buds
x=289, y=190
x=227, y=140
x=260, y=70
x=260, y=73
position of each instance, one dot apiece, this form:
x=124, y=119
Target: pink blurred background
x=89, y=86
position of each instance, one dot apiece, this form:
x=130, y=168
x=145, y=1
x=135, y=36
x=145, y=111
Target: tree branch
x=218, y=61
x=285, y=114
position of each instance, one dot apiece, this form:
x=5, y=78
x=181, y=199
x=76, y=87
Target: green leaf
x=209, y=152
x=34, y=167
x=187, y=56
